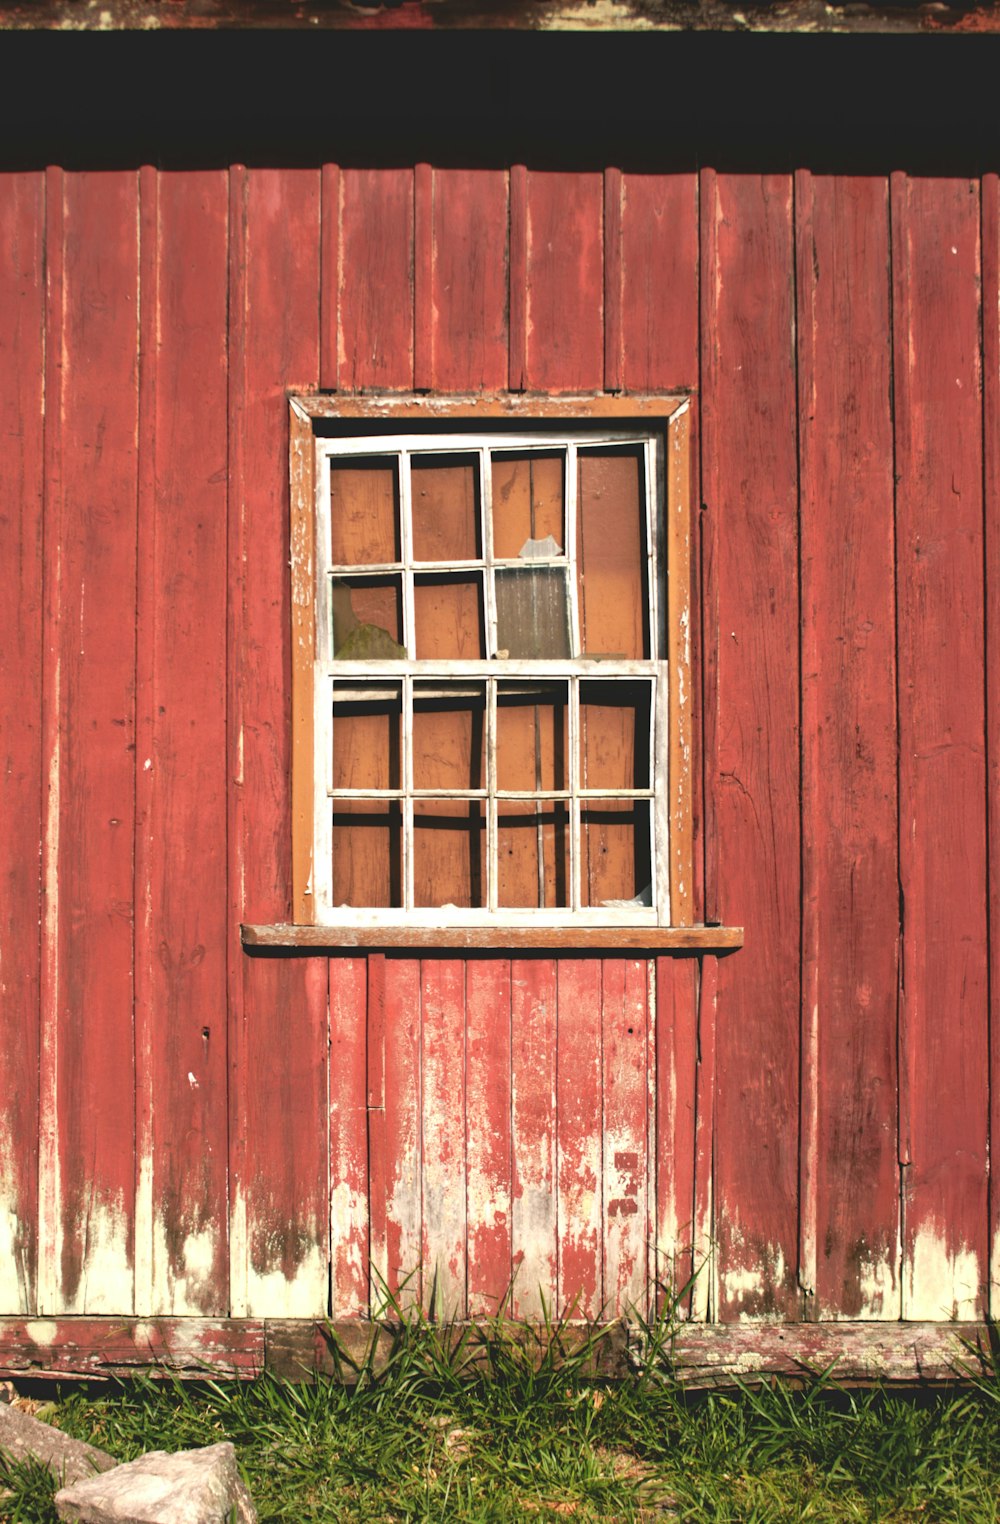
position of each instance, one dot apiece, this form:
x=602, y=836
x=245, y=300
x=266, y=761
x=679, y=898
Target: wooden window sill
x=497, y=938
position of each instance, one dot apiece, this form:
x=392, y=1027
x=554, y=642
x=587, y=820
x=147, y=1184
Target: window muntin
x=491, y=698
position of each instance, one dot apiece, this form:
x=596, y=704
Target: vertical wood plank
x=423, y=277
x=487, y=1133
x=565, y=283
x=470, y=280
x=183, y=947
x=329, y=290
x=614, y=294
x=942, y=782
x=145, y=717
x=396, y=1151
x=991, y=517
x=579, y=1153
x=659, y=233
x=517, y=268
x=283, y=1192
x=444, y=1168
x=533, y=1128
x=22, y=327
x=850, y=1176
x=624, y=1016
x=750, y=461
x=676, y=1099
x=90, y=557
x=349, y=1180
x=376, y=279
x=705, y=1290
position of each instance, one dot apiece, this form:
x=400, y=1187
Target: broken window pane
x=366, y=619
x=528, y=495
x=532, y=613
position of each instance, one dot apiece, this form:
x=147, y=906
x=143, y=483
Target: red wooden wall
x=185, y=1129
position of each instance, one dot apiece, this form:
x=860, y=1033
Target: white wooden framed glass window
x=491, y=665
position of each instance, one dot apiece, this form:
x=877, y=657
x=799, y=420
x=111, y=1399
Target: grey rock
x=24, y=1438
x=189, y=1487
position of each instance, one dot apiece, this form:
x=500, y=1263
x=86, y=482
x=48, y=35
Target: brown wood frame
x=299, y=1349
x=671, y=411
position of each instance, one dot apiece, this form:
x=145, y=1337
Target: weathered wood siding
x=187, y=1130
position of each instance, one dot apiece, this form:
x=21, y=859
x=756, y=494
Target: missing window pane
x=449, y=853
x=366, y=843
x=611, y=554
x=449, y=736
x=448, y=613
x=445, y=493
x=616, y=853
x=533, y=857
x=367, y=725
x=364, y=512
x=615, y=720
x=532, y=737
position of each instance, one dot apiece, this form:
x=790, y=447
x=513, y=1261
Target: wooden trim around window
x=307, y=414
x=705, y=939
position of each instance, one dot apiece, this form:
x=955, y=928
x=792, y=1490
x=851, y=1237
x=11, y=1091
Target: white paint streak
x=272, y=1295
x=186, y=1287
x=748, y=1281
x=41, y=1330
x=143, y=1234
x=348, y=1209
x=49, y=1206
x=14, y=1290
x=106, y=1280
x=940, y=1283
x=237, y=1251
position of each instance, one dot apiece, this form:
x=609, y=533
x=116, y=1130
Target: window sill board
x=498, y=938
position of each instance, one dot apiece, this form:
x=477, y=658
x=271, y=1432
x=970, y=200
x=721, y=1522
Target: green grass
x=500, y=1431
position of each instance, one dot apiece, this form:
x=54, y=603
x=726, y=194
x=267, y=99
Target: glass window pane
x=448, y=612
x=532, y=737
x=445, y=498
x=614, y=734
x=367, y=853
x=533, y=854
x=364, y=512
x=532, y=613
x=449, y=853
x=615, y=854
x=367, y=726
x=366, y=619
x=611, y=554
x=528, y=495
x=449, y=736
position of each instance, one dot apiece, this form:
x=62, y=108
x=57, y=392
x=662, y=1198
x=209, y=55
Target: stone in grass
x=189, y=1487
x=23, y=1438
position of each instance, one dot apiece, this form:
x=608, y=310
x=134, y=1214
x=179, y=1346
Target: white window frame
x=661, y=426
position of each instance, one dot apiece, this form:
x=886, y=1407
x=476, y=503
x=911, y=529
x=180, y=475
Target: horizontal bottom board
x=702, y=1354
